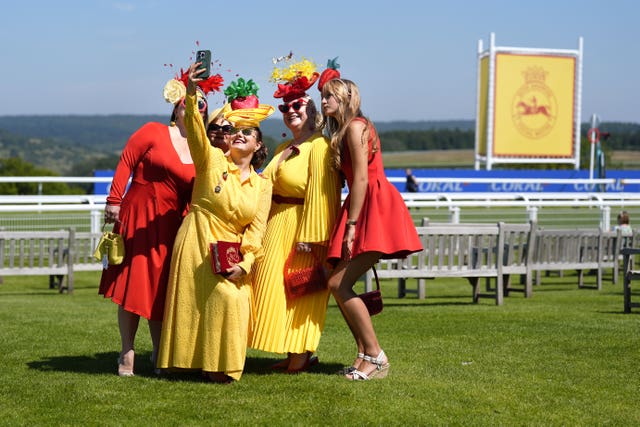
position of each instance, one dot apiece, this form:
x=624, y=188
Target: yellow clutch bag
x=110, y=245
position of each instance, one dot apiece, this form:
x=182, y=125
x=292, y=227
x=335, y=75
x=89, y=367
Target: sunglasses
x=217, y=128
x=296, y=105
x=202, y=104
x=245, y=131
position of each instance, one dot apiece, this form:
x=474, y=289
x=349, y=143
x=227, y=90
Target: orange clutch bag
x=224, y=255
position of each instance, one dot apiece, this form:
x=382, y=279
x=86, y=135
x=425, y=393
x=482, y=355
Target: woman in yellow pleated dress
x=306, y=199
x=207, y=316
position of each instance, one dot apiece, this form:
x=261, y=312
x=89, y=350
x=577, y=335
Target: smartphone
x=204, y=57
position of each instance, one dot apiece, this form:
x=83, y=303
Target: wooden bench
x=26, y=253
x=491, y=251
x=515, y=258
x=629, y=275
x=574, y=249
x=54, y=253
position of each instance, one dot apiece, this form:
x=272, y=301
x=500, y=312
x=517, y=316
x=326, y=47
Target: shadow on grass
x=431, y=302
x=106, y=363
x=262, y=366
x=100, y=363
x=32, y=294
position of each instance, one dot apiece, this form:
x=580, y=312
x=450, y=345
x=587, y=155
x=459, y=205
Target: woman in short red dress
x=373, y=223
x=148, y=215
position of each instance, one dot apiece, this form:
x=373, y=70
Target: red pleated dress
x=384, y=224
x=150, y=214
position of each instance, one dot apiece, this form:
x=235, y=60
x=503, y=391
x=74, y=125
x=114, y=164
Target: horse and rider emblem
x=534, y=108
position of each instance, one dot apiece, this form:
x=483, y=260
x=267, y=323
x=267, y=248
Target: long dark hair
x=261, y=154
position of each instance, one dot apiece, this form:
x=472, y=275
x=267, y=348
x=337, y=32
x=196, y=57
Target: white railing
x=453, y=202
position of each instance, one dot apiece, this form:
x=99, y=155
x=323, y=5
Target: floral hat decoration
x=246, y=110
x=176, y=89
x=294, y=79
x=330, y=73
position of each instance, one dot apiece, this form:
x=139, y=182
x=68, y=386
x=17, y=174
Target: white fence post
x=605, y=215
x=454, y=215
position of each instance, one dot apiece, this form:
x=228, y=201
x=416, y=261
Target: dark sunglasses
x=217, y=128
x=296, y=105
x=202, y=104
x=245, y=131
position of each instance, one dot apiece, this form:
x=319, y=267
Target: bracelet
x=351, y=222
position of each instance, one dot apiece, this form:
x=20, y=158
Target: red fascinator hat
x=330, y=73
x=294, y=79
x=176, y=88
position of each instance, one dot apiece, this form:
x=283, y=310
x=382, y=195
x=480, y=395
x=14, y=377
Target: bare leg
x=359, y=344
x=354, y=311
x=155, y=328
x=301, y=362
x=297, y=361
x=128, y=324
x=282, y=365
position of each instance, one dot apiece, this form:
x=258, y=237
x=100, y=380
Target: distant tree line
x=435, y=139
x=623, y=136
x=77, y=146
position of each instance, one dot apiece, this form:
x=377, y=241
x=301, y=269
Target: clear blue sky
x=414, y=60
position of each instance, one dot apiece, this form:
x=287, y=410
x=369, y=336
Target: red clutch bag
x=224, y=255
x=305, y=280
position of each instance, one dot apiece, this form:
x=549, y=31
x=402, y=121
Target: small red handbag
x=303, y=281
x=373, y=299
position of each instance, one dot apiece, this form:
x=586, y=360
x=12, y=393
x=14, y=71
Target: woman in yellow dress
x=207, y=316
x=306, y=199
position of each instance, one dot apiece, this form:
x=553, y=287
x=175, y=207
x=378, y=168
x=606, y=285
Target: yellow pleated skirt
x=281, y=325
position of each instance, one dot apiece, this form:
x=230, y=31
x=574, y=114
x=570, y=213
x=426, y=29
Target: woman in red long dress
x=148, y=215
x=373, y=223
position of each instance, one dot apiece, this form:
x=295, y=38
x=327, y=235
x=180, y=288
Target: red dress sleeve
x=132, y=154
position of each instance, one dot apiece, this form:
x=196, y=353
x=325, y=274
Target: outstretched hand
x=194, y=77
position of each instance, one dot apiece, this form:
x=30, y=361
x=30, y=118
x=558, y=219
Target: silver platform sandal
x=349, y=369
x=381, y=371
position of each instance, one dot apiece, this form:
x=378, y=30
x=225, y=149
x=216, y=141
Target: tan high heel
x=123, y=369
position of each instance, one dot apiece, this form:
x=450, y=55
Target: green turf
x=567, y=356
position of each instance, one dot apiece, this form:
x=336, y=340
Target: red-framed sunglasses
x=296, y=105
x=202, y=104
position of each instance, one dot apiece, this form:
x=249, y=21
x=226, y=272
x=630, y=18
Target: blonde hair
x=347, y=96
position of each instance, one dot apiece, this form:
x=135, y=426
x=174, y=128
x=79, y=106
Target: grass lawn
x=567, y=356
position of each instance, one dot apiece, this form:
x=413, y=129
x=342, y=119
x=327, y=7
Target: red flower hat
x=330, y=73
